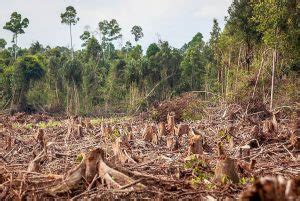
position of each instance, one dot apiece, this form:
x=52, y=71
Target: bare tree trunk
x=227, y=75
x=16, y=45
x=237, y=69
x=273, y=76
x=72, y=52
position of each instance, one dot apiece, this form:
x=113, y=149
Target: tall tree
x=137, y=31
x=17, y=26
x=213, y=45
x=69, y=18
x=110, y=31
x=241, y=24
x=214, y=34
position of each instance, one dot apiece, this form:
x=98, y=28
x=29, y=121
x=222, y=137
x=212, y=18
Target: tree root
x=92, y=164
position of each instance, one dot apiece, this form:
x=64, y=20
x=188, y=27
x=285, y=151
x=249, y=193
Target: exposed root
x=91, y=165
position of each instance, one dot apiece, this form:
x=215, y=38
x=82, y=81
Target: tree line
x=256, y=55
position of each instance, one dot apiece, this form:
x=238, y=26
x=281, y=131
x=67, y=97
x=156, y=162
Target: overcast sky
x=176, y=21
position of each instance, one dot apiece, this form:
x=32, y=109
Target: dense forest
x=258, y=47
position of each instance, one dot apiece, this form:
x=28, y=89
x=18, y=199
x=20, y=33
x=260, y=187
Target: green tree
x=69, y=17
x=85, y=37
x=110, y=30
x=152, y=50
x=197, y=39
x=242, y=26
x=3, y=43
x=215, y=52
x=93, y=49
x=193, y=69
x=26, y=70
x=36, y=47
x=72, y=72
x=275, y=20
x=17, y=26
x=137, y=31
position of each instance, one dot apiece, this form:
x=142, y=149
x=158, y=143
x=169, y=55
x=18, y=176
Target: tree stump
x=181, y=129
x=149, y=134
x=161, y=130
x=244, y=153
x=171, y=123
x=196, y=145
x=40, y=138
x=172, y=143
x=225, y=168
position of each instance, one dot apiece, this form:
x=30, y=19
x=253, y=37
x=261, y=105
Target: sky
x=175, y=21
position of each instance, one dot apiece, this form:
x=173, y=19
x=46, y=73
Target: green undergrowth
x=112, y=120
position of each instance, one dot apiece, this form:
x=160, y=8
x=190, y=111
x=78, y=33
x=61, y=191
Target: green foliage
x=16, y=24
x=197, y=166
x=69, y=16
x=3, y=43
x=72, y=72
x=137, y=31
x=152, y=50
x=93, y=49
x=193, y=69
x=103, y=79
x=85, y=37
x=79, y=157
x=26, y=70
x=110, y=30
x=35, y=48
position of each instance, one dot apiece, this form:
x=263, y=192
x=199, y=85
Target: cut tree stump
x=244, y=152
x=161, y=130
x=35, y=164
x=40, y=137
x=172, y=143
x=79, y=131
x=196, y=145
x=272, y=188
x=150, y=134
x=171, y=122
x=225, y=168
x=119, y=148
x=93, y=163
x=181, y=129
